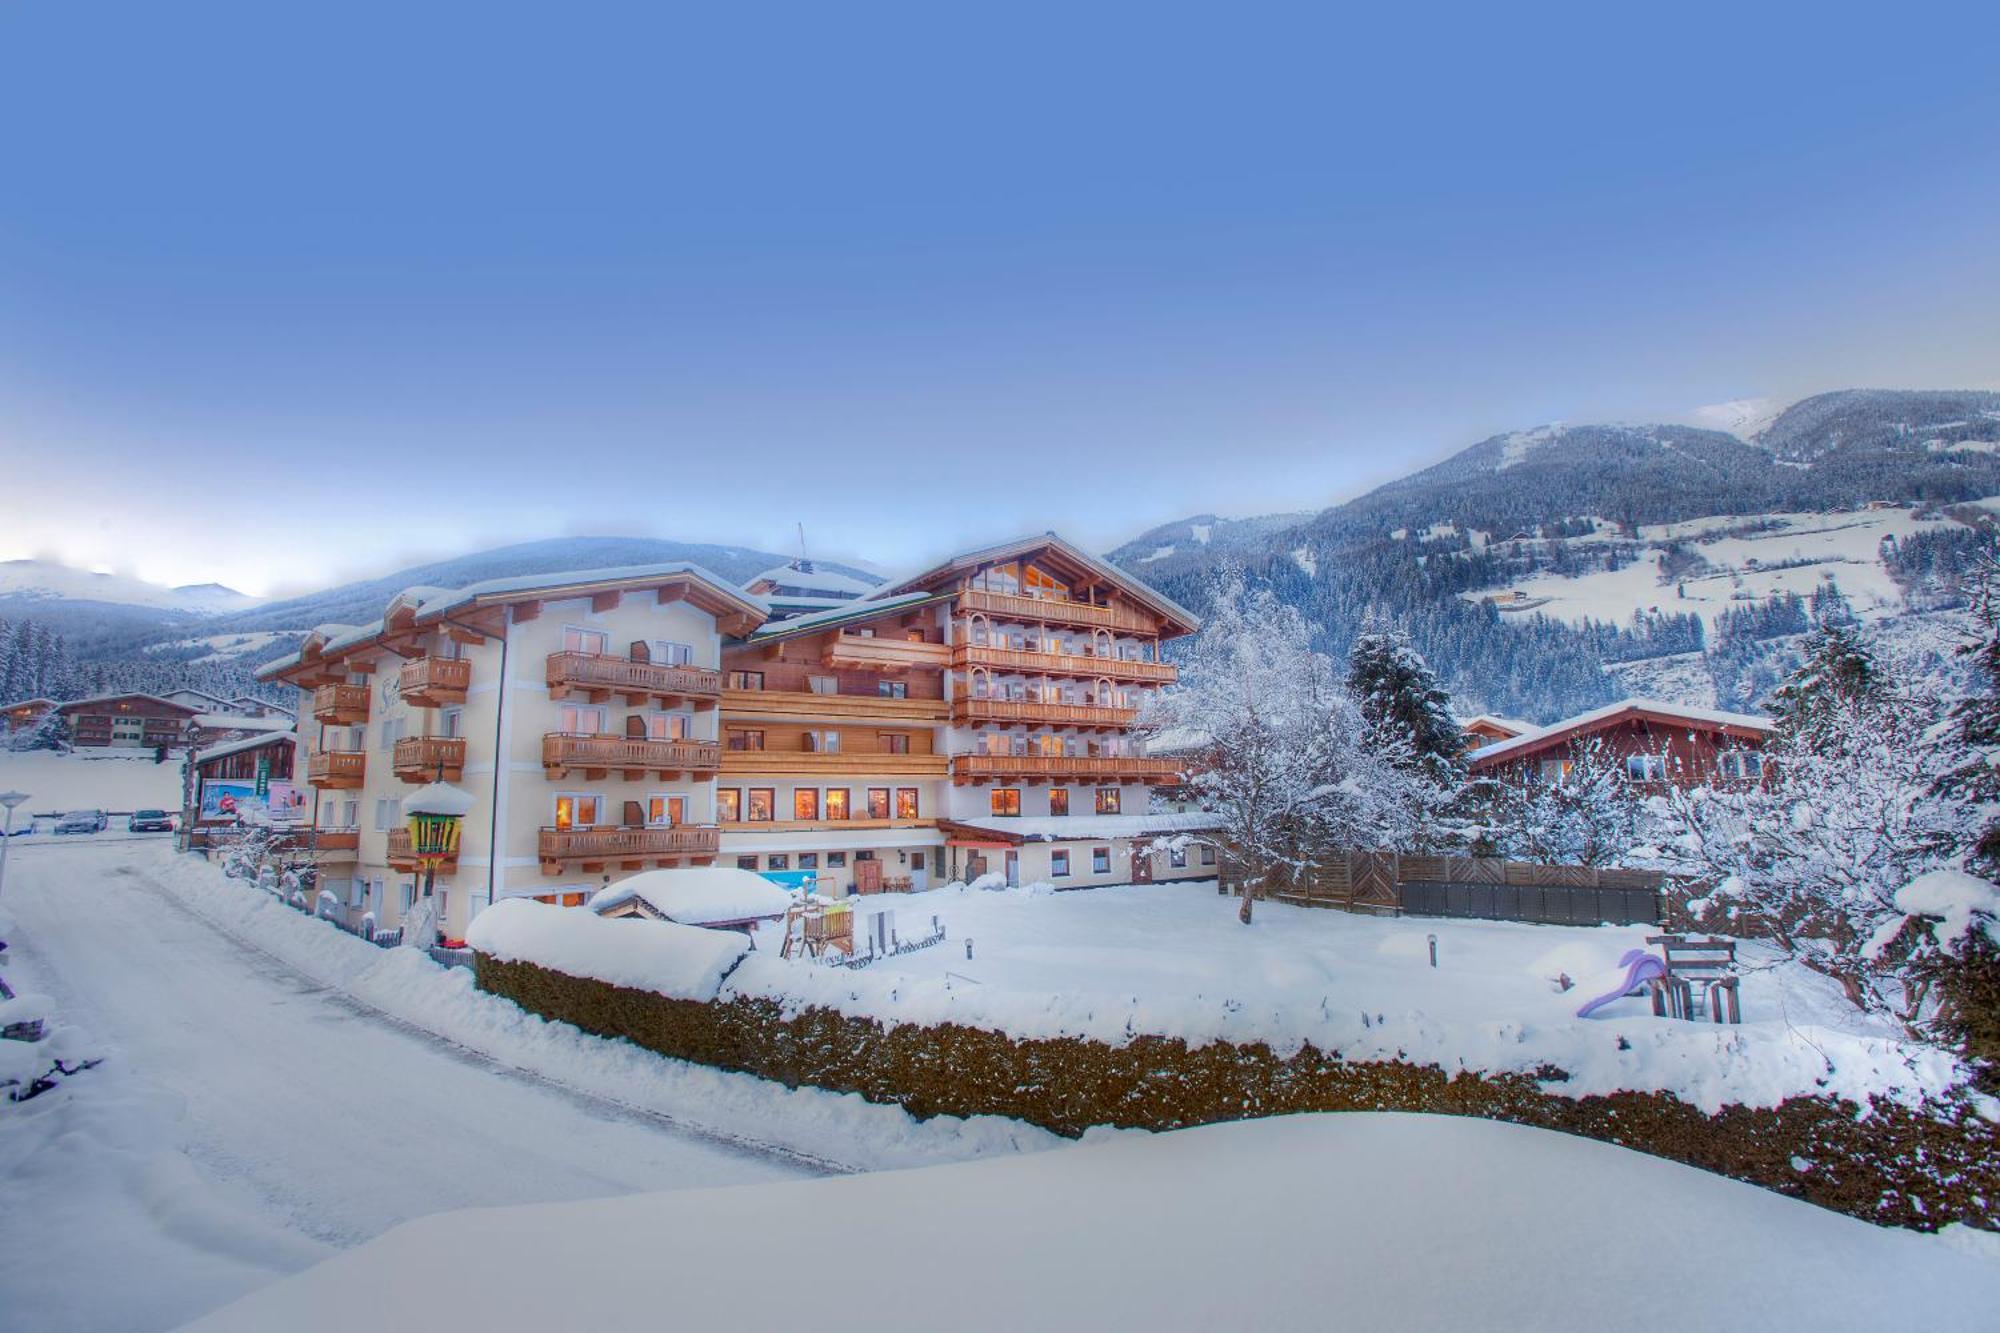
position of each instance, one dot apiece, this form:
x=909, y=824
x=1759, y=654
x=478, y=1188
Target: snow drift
x=683, y=962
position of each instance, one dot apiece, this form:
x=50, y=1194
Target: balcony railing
x=865, y=653
x=1030, y=712
x=816, y=763
x=599, y=676
x=337, y=839
x=340, y=705
x=561, y=847
x=422, y=758
x=634, y=756
x=1058, y=767
x=1048, y=611
x=967, y=655
x=435, y=682
x=403, y=857
x=337, y=769
x=805, y=704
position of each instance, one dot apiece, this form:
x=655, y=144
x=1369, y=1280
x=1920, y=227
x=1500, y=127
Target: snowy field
x=83, y=780
x=1172, y=960
x=274, y=1090
x=1381, y=1222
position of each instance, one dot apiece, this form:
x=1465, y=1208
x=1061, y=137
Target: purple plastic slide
x=1640, y=967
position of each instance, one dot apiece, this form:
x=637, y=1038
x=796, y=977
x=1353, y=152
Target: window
x=666, y=811
x=746, y=740
x=894, y=742
x=805, y=803
x=778, y=861
x=388, y=814
x=669, y=653
x=1058, y=864
x=1742, y=764
x=1557, y=770
x=451, y=722
x=728, y=804
x=906, y=803
x=809, y=860
x=577, y=809
x=892, y=689
x=1207, y=854
x=763, y=804
x=1035, y=583
x=1107, y=800
x=1646, y=768
x=836, y=802
x=584, y=719
x=913, y=635
x=824, y=684
x=746, y=863
x=1100, y=860
x=392, y=731
x=1005, y=800
x=1058, y=800
x=669, y=726
x=822, y=742
x=836, y=860
x=746, y=680
x=1177, y=857
x=578, y=640
x=878, y=802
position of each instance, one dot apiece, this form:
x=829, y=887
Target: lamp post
x=9, y=799
x=434, y=814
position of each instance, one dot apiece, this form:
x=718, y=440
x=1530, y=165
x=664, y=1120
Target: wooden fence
x=1485, y=887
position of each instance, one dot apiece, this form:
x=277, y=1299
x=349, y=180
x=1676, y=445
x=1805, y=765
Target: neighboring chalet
x=579, y=710
x=24, y=714
x=219, y=786
x=137, y=721
x=199, y=700
x=1657, y=744
x=244, y=705
x=1490, y=728
x=798, y=589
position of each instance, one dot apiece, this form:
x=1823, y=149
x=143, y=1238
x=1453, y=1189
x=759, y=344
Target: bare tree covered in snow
x=1587, y=814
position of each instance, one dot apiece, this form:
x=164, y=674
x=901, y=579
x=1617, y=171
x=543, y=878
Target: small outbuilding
x=722, y=897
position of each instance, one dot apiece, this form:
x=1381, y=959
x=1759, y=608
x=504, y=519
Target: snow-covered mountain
x=50, y=581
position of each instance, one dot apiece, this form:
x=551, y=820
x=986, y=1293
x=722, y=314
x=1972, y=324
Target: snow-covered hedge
x=684, y=962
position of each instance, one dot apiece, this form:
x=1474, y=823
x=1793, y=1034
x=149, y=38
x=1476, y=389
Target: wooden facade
x=142, y=721
x=1658, y=745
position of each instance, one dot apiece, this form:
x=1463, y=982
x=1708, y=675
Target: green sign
x=263, y=776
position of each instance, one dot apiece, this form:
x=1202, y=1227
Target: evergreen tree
x=1400, y=698
x=1838, y=674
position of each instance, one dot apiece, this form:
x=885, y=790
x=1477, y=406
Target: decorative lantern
x=434, y=814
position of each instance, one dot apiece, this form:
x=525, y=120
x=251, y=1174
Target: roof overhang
x=1179, y=620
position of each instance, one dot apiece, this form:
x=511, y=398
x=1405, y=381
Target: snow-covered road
x=249, y=1120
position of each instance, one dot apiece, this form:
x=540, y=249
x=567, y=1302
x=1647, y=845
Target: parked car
x=83, y=821
x=150, y=821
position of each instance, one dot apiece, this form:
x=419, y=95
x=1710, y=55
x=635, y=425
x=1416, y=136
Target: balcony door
x=578, y=810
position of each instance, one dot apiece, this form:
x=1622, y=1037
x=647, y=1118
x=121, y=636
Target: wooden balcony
x=597, y=678
x=337, y=770
x=1047, y=611
x=436, y=682
x=421, y=758
x=816, y=707
x=966, y=656
x=336, y=840
x=595, y=849
x=630, y=756
x=340, y=705
x=977, y=768
x=1033, y=713
x=813, y=763
x=401, y=857
x=859, y=652
x=820, y=825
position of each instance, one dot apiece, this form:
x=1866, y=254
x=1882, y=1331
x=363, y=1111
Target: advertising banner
x=238, y=798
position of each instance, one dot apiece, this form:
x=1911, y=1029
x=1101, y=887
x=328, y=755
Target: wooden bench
x=1700, y=981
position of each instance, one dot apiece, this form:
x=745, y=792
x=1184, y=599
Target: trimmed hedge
x=1884, y=1163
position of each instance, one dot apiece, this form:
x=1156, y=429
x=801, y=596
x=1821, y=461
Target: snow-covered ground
x=86, y=779
x=1845, y=545
x=1382, y=1222
x=225, y=647
x=1170, y=959
x=275, y=1090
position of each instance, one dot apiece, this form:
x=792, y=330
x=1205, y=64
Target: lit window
x=728, y=804
x=1107, y=800
x=906, y=803
x=1005, y=801
x=836, y=802
x=805, y=803
x=576, y=810
x=1058, y=800
x=666, y=811
x=763, y=804
x=878, y=802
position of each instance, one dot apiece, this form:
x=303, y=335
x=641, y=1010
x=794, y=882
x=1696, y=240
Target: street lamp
x=9, y=799
x=434, y=814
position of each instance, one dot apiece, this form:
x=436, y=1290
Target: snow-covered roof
x=439, y=798
x=862, y=608
x=123, y=694
x=1177, y=740
x=26, y=703
x=1066, y=828
x=1707, y=719
x=825, y=580
x=1499, y=723
x=1140, y=591
x=242, y=743
x=698, y=895
x=239, y=722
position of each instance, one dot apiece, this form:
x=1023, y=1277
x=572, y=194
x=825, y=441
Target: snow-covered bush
x=1589, y=816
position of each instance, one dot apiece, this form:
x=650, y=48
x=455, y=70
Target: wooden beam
x=672, y=592
x=524, y=611
x=607, y=601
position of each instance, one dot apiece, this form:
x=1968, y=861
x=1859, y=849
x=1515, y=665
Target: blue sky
x=288, y=295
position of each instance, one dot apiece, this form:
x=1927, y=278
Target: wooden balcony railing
x=634, y=757
x=860, y=652
x=340, y=705
x=337, y=840
x=966, y=656
x=1047, y=611
x=403, y=857
x=420, y=758
x=813, y=763
x=628, y=847
x=337, y=769
x=1062, y=767
x=805, y=704
x=598, y=677
x=1030, y=712
x=435, y=682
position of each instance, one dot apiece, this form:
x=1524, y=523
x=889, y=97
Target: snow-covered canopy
x=698, y=895
x=684, y=962
x=242, y=743
x=439, y=798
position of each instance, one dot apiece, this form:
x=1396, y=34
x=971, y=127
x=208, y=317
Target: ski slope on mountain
x=48, y=580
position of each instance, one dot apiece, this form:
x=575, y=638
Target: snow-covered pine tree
x=1398, y=694
x=1837, y=673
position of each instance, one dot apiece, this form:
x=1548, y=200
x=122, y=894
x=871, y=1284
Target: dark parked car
x=83, y=821
x=150, y=821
